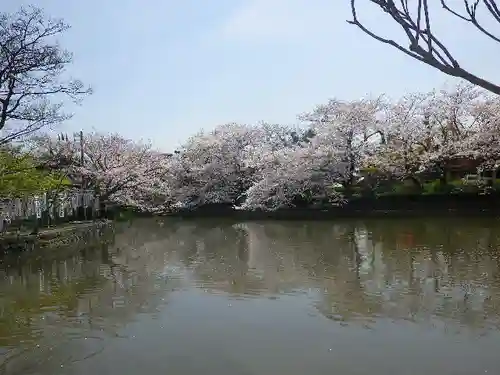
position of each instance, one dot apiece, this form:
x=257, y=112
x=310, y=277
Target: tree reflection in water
x=54, y=304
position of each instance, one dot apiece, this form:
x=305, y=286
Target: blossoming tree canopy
x=292, y=173
x=211, y=167
x=349, y=129
x=271, y=166
x=120, y=170
x=484, y=144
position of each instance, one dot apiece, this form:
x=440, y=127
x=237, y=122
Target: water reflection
x=360, y=271
x=61, y=310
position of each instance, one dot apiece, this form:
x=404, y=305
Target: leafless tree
x=33, y=82
x=424, y=44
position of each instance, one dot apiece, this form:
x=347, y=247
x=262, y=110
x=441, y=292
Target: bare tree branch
x=32, y=66
x=471, y=14
x=424, y=45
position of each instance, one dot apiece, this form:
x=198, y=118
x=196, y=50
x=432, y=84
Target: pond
x=217, y=297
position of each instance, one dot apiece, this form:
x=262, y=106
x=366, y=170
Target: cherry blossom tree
x=121, y=171
x=350, y=128
x=210, y=167
x=288, y=174
x=271, y=166
x=300, y=168
x=429, y=131
x=270, y=138
x=226, y=165
x=400, y=155
x=452, y=116
x=484, y=144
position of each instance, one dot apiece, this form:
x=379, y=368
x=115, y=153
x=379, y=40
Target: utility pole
x=82, y=161
x=81, y=148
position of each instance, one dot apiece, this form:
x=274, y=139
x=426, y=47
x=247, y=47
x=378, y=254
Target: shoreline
x=397, y=206
x=325, y=214
x=53, y=236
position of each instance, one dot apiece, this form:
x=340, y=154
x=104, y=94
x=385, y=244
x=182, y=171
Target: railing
x=475, y=179
x=47, y=209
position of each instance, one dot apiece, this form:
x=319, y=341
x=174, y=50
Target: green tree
x=21, y=175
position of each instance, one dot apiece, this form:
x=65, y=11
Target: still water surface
x=217, y=297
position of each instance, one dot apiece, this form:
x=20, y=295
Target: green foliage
x=20, y=177
x=369, y=169
x=395, y=189
x=455, y=187
x=406, y=187
x=338, y=189
x=125, y=214
x=307, y=196
x=458, y=186
x=436, y=187
x=428, y=188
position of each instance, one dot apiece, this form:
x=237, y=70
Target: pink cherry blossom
x=271, y=166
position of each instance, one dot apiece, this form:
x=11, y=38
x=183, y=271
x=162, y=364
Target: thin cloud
x=278, y=20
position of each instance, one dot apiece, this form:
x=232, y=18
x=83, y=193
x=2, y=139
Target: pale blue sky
x=161, y=70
